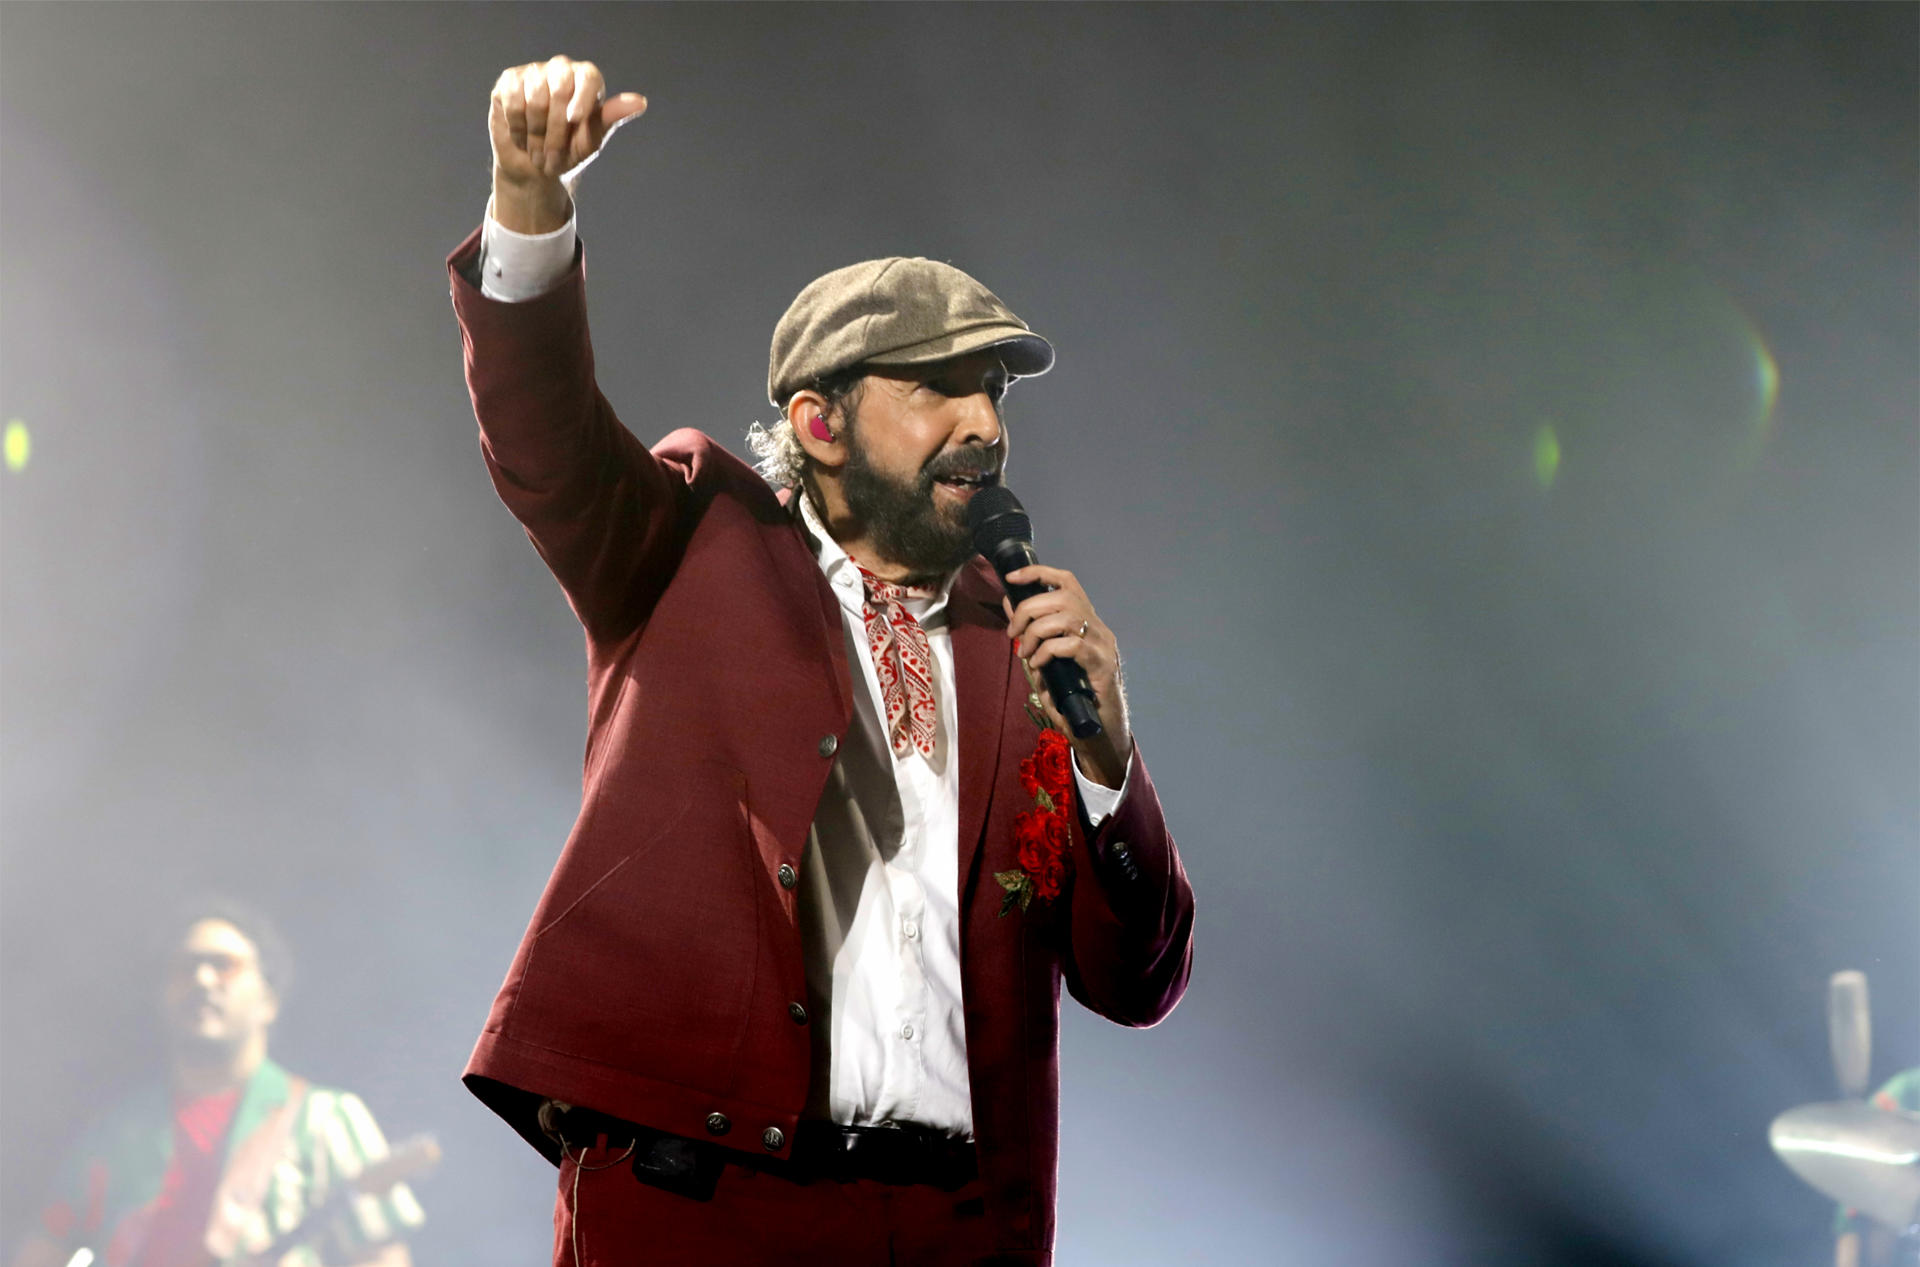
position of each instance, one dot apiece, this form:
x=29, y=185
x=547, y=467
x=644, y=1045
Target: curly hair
x=782, y=460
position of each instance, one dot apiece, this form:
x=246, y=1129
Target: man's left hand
x=1062, y=625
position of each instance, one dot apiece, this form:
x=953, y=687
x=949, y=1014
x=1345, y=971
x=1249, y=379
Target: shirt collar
x=835, y=563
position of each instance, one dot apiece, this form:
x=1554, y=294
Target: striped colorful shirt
x=287, y=1155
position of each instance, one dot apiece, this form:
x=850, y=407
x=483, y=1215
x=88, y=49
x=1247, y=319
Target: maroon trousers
x=604, y=1217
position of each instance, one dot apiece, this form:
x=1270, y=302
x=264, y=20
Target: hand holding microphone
x=1059, y=636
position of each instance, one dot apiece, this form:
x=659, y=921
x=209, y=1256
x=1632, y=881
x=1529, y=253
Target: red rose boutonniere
x=1041, y=834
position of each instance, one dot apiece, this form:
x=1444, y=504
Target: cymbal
x=1860, y=1156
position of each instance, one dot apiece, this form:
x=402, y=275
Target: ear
x=802, y=411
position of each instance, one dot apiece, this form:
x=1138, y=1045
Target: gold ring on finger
x=1083, y=629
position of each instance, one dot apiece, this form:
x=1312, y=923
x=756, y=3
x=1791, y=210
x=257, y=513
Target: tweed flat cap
x=894, y=312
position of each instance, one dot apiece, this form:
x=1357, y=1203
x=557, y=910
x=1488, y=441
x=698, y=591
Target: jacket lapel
x=983, y=664
x=810, y=592
x=266, y=1090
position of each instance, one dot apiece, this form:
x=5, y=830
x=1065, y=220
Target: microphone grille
x=995, y=515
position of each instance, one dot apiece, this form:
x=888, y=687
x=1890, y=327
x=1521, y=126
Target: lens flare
x=1766, y=374
x=1755, y=417
x=1769, y=373
x=1546, y=455
x=18, y=445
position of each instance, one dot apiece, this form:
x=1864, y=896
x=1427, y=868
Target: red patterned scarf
x=903, y=661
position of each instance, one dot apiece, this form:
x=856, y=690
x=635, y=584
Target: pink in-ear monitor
x=819, y=428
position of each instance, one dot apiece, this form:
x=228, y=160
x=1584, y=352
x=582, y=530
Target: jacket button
x=717, y=1124
x=773, y=1137
x=787, y=875
x=798, y=1013
x=829, y=745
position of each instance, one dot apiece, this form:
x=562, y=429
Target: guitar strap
x=239, y=1218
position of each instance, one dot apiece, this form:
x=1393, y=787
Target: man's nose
x=980, y=421
x=206, y=976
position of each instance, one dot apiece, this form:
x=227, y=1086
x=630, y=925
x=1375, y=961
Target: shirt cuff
x=1097, y=799
x=515, y=267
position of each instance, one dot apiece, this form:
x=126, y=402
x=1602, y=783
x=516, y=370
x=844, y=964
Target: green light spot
x=1766, y=386
x=1768, y=371
x=19, y=445
x=1546, y=455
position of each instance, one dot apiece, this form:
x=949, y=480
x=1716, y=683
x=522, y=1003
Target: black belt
x=901, y=1154
x=905, y=1154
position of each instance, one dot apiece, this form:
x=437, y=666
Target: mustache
x=961, y=464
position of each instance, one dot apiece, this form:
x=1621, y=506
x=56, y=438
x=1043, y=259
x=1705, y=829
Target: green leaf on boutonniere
x=1019, y=890
x=1044, y=801
x=1035, y=708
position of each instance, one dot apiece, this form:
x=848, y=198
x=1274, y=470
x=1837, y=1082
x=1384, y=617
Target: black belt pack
x=673, y=1163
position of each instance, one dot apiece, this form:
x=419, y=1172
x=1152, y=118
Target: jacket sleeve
x=1130, y=941
x=604, y=513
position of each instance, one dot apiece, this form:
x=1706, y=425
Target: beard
x=192, y=1043
x=193, y=1047
x=902, y=519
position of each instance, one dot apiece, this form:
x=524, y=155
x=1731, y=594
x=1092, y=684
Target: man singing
x=792, y=992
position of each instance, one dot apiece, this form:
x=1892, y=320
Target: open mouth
x=978, y=479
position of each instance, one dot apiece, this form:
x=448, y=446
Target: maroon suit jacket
x=654, y=980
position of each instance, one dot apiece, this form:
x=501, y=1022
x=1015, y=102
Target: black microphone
x=1003, y=533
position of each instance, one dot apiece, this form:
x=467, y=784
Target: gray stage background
x=1529, y=804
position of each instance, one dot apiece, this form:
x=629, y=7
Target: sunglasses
x=225, y=966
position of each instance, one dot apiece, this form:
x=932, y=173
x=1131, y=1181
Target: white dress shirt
x=879, y=886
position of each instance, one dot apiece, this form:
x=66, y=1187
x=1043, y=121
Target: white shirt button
x=911, y=929
x=906, y=1031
